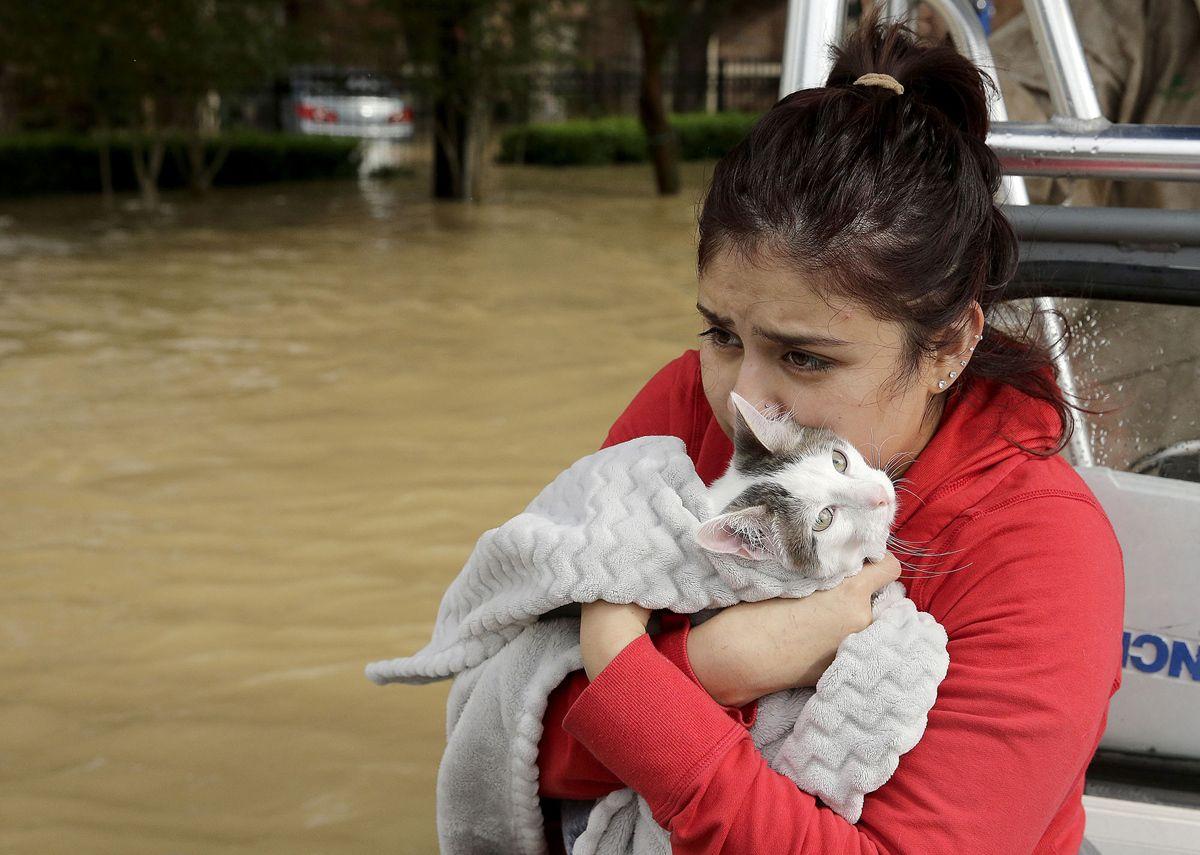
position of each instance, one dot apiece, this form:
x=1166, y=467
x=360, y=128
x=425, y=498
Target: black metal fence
x=609, y=89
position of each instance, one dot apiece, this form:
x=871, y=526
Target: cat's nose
x=879, y=498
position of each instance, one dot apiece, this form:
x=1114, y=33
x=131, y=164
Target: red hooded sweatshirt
x=1033, y=610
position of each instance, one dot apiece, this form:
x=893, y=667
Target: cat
x=799, y=495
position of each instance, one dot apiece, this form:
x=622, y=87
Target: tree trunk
x=451, y=115
x=523, y=48
x=450, y=128
x=106, y=176
x=148, y=151
x=691, y=66
x=660, y=136
x=201, y=171
x=147, y=163
x=206, y=127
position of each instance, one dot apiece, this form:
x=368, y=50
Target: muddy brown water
x=246, y=445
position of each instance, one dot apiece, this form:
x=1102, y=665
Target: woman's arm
x=566, y=768
x=753, y=649
x=756, y=649
x=1034, y=629
x=667, y=405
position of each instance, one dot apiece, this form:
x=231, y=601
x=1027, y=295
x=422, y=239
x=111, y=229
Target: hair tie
x=884, y=80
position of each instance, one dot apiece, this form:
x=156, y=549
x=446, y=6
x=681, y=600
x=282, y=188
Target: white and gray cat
x=799, y=495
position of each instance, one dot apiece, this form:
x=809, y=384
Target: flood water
x=246, y=445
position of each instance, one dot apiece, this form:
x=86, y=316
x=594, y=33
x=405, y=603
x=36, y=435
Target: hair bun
x=931, y=74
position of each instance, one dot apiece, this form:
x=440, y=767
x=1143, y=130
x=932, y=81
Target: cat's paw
x=886, y=597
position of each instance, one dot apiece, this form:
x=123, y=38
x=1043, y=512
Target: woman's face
x=770, y=337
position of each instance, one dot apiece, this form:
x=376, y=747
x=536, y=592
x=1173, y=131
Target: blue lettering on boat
x=1151, y=653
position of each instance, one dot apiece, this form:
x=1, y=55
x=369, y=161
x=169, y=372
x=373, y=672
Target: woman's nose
x=750, y=387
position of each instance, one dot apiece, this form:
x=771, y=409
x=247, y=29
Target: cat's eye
x=824, y=520
x=839, y=461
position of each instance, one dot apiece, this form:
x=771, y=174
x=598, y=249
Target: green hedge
x=69, y=163
x=620, y=139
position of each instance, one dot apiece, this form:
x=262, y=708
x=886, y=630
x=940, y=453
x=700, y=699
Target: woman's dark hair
x=888, y=200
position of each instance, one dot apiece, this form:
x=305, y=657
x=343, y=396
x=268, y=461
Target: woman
x=851, y=261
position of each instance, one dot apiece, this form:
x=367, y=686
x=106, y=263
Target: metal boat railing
x=1077, y=142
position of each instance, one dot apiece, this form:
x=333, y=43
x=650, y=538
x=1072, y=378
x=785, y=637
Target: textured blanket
x=619, y=526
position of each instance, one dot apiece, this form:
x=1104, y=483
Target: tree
x=473, y=54
x=702, y=19
x=185, y=56
x=73, y=73
x=685, y=25
x=156, y=68
x=659, y=23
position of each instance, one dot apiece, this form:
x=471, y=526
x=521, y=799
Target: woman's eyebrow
x=798, y=340
x=712, y=317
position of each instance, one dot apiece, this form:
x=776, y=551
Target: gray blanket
x=619, y=526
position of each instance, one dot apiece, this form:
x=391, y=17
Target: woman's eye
x=806, y=361
x=719, y=337
x=839, y=461
x=824, y=519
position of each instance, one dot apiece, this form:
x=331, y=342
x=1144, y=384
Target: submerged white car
x=343, y=102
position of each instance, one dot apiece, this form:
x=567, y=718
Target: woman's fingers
x=876, y=574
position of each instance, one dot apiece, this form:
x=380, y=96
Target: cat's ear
x=773, y=435
x=746, y=532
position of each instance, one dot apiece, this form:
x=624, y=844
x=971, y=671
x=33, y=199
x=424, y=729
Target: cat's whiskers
x=911, y=493
x=923, y=572
x=922, y=554
x=925, y=569
x=909, y=542
x=879, y=451
x=893, y=538
x=892, y=461
x=917, y=550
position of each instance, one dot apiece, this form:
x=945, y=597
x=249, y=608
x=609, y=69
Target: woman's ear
x=956, y=356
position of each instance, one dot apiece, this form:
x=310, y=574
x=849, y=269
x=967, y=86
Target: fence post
x=711, y=74
x=720, y=85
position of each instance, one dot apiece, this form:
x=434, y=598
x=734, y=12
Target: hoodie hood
x=971, y=452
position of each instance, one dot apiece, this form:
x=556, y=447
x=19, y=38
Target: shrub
x=35, y=163
x=619, y=139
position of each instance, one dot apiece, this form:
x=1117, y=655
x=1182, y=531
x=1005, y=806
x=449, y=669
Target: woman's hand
x=604, y=631
x=753, y=649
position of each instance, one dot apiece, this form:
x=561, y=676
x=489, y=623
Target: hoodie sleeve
x=566, y=768
x=1034, y=620
x=666, y=406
